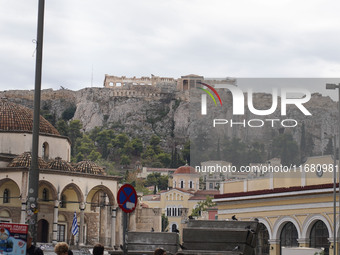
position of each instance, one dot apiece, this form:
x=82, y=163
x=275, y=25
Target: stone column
x=23, y=211
x=113, y=226
x=132, y=221
x=81, y=227
x=274, y=248
x=303, y=242
x=332, y=251
x=55, y=221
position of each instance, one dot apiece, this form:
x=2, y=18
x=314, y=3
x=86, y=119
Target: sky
x=86, y=39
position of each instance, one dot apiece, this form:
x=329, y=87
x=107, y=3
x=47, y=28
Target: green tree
x=165, y=222
x=203, y=206
x=121, y=140
x=329, y=148
x=125, y=160
x=137, y=145
x=164, y=158
x=104, y=140
x=286, y=148
x=62, y=127
x=69, y=113
x=186, y=152
x=157, y=180
x=74, y=132
x=94, y=155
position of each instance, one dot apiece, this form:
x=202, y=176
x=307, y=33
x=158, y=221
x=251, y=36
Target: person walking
x=31, y=249
x=61, y=248
x=98, y=249
x=160, y=251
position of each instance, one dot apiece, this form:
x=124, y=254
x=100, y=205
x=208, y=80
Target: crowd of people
x=63, y=248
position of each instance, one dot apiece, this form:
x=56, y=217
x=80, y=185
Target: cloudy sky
x=86, y=39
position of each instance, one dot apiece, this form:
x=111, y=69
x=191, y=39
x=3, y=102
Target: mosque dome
x=59, y=164
x=185, y=170
x=25, y=159
x=15, y=117
x=89, y=167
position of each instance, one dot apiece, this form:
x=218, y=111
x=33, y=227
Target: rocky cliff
x=142, y=112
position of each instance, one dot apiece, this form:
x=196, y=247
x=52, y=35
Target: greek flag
x=74, y=229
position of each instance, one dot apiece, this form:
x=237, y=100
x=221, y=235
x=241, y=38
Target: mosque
x=64, y=188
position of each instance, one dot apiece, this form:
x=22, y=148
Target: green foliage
x=203, y=206
x=157, y=180
x=120, y=140
x=69, y=113
x=125, y=160
x=164, y=158
x=329, y=148
x=286, y=148
x=137, y=145
x=62, y=127
x=74, y=132
x=165, y=222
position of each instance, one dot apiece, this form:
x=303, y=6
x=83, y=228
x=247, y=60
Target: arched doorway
x=289, y=236
x=319, y=236
x=174, y=228
x=262, y=247
x=42, y=236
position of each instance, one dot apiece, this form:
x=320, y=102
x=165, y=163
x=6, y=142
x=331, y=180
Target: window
x=45, y=151
x=190, y=185
x=262, y=247
x=182, y=184
x=319, y=235
x=61, y=233
x=45, y=195
x=63, y=201
x=6, y=196
x=289, y=235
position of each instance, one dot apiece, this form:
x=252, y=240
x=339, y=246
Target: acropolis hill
x=157, y=105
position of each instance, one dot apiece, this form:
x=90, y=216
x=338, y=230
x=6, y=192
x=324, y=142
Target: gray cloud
x=168, y=38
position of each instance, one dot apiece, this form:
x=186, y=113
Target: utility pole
x=33, y=184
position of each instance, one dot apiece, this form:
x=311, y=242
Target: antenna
x=92, y=77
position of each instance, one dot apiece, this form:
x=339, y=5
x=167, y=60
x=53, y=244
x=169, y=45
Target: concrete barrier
x=220, y=237
x=146, y=242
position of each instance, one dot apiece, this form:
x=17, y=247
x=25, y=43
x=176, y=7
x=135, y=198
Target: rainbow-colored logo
x=209, y=93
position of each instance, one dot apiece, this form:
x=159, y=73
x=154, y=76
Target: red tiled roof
x=15, y=117
x=277, y=190
x=185, y=170
x=151, y=169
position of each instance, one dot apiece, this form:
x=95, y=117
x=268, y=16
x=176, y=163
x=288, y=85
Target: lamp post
x=333, y=87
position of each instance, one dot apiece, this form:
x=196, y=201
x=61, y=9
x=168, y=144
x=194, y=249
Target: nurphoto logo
x=239, y=105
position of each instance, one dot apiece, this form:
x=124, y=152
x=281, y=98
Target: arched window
x=262, y=247
x=182, y=184
x=6, y=196
x=45, y=195
x=63, y=201
x=289, y=235
x=45, y=151
x=319, y=236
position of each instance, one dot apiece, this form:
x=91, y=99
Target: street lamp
x=333, y=87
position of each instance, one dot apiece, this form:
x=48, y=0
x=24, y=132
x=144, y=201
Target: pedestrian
x=31, y=249
x=61, y=248
x=159, y=251
x=98, y=249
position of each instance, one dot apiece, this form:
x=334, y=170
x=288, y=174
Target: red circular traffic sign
x=127, y=198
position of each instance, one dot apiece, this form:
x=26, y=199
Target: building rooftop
x=15, y=117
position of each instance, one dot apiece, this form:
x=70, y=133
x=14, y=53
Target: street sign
x=127, y=198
